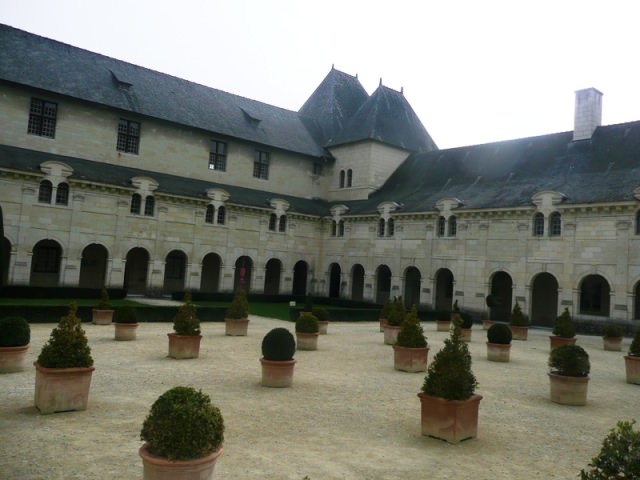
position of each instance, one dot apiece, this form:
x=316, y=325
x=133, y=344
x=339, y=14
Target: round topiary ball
x=499, y=333
x=569, y=360
x=14, y=332
x=278, y=345
x=307, y=323
x=467, y=320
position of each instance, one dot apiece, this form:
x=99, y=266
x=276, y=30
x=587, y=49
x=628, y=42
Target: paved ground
x=349, y=414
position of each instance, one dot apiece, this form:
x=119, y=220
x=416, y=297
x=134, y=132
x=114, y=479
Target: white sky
x=474, y=71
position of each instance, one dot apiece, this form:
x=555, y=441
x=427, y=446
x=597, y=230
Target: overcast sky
x=474, y=71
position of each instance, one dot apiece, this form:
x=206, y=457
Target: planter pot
x=556, y=341
x=159, y=468
x=486, y=324
x=307, y=341
x=101, y=317
x=62, y=389
x=236, y=327
x=410, y=359
x=12, y=358
x=383, y=322
x=465, y=334
x=277, y=374
x=184, y=346
x=568, y=390
x=498, y=352
x=613, y=344
x=324, y=326
x=443, y=325
x=632, y=367
x=449, y=420
x=519, y=332
x=390, y=334
x=125, y=331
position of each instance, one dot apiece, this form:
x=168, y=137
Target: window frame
x=62, y=193
x=217, y=155
x=441, y=226
x=209, y=214
x=261, y=162
x=149, y=206
x=555, y=224
x=136, y=204
x=128, y=140
x=221, y=215
x=452, y=226
x=45, y=192
x=42, y=123
x=538, y=225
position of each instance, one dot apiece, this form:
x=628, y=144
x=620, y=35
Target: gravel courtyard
x=349, y=414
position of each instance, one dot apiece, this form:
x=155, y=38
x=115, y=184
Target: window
x=317, y=168
x=555, y=225
x=44, y=192
x=341, y=228
x=218, y=156
x=42, y=118
x=334, y=228
x=136, y=201
x=638, y=223
x=538, y=225
x=282, y=226
x=261, y=165
x=128, y=136
x=149, y=206
x=62, y=194
x=391, y=227
x=222, y=214
x=381, y=227
x=341, y=178
x=453, y=226
x=273, y=219
x=349, y=177
x=208, y=216
x=441, y=225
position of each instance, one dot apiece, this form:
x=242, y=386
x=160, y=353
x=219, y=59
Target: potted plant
x=384, y=314
x=183, y=436
x=394, y=320
x=103, y=313
x=184, y=342
x=612, y=335
x=569, y=375
x=64, y=367
x=499, y=343
x=564, y=331
x=518, y=323
x=322, y=314
x=618, y=457
x=278, y=347
x=125, y=323
x=632, y=361
x=15, y=335
x=443, y=321
x=449, y=404
x=466, y=323
x=410, y=350
x=492, y=301
x=307, y=331
x=455, y=312
x=236, y=318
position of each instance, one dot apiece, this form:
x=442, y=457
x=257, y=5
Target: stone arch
x=210, y=274
x=175, y=268
x=357, y=282
x=443, y=289
x=243, y=271
x=45, y=264
x=93, y=266
x=544, y=299
x=136, y=268
x=383, y=284
x=595, y=296
x=501, y=287
x=272, y=272
x=412, y=282
x=335, y=276
x=300, y=271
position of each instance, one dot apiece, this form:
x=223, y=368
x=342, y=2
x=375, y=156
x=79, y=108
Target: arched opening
x=501, y=288
x=135, y=272
x=544, y=299
x=210, y=275
x=594, y=296
x=45, y=264
x=636, y=302
x=383, y=284
x=300, y=270
x=242, y=277
x=93, y=266
x=6, y=260
x=444, y=289
x=357, y=282
x=175, y=266
x=412, y=280
x=272, y=277
x=334, y=280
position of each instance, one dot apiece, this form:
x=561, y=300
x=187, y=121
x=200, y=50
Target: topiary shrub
x=493, y=301
x=449, y=375
x=126, y=314
x=466, y=320
x=186, y=322
x=411, y=334
x=386, y=308
x=499, y=333
x=517, y=318
x=611, y=330
x=634, y=348
x=564, y=326
x=307, y=322
x=278, y=345
x=14, y=332
x=105, y=302
x=570, y=361
x=396, y=315
x=239, y=307
x=67, y=346
x=619, y=456
x=322, y=314
x=183, y=425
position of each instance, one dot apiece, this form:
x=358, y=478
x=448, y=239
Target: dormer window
x=42, y=118
x=342, y=176
x=538, y=225
x=45, y=191
x=136, y=204
x=149, y=206
x=555, y=224
x=453, y=226
x=261, y=165
x=128, y=136
x=62, y=194
x=442, y=224
x=349, y=178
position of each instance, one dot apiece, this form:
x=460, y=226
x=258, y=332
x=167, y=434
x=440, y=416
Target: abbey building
x=113, y=174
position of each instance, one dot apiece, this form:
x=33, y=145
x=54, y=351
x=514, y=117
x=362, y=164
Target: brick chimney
x=588, y=113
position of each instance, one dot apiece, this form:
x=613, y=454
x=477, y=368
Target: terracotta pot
x=62, y=389
x=498, y=352
x=101, y=317
x=159, y=468
x=184, y=346
x=632, y=368
x=125, y=331
x=567, y=390
x=306, y=341
x=449, y=420
x=465, y=335
x=519, y=332
x=12, y=358
x=486, y=324
x=277, y=373
x=390, y=334
x=383, y=322
x=324, y=326
x=613, y=344
x=443, y=325
x=410, y=359
x=236, y=327
x=556, y=341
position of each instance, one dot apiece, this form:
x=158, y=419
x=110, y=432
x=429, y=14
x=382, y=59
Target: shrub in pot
x=278, y=347
x=632, y=361
x=384, y=313
x=569, y=374
x=103, y=313
x=564, y=331
x=15, y=335
x=466, y=323
x=499, y=342
x=236, y=318
x=619, y=456
x=518, y=323
x=443, y=321
x=125, y=321
x=612, y=335
x=322, y=314
x=185, y=341
x=410, y=350
x=307, y=331
x=64, y=367
x=183, y=435
x=395, y=318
